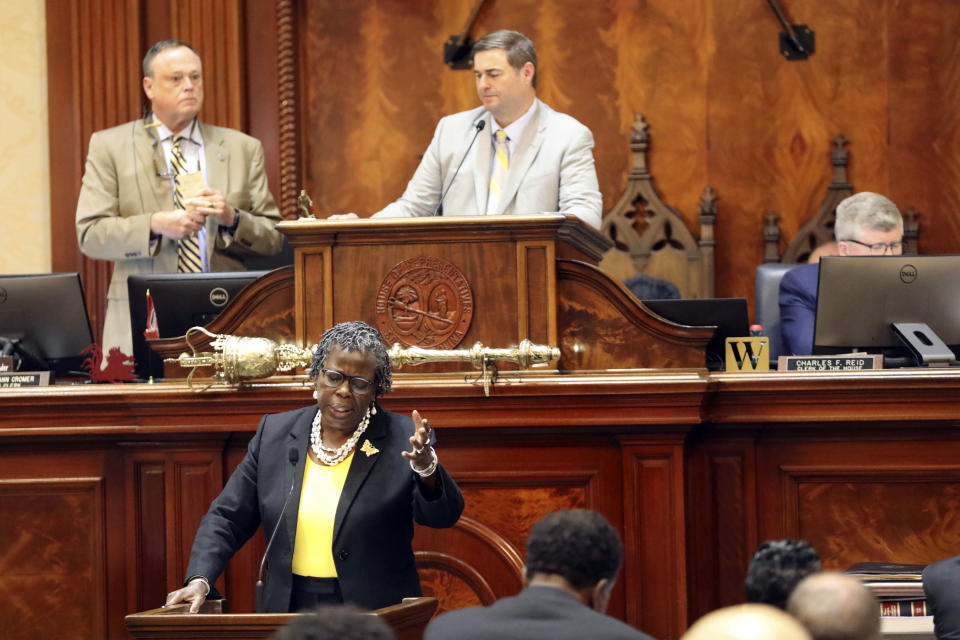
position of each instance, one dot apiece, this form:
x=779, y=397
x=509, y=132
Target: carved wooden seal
x=424, y=302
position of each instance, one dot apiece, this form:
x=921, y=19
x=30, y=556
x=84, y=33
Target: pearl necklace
x=332, y=457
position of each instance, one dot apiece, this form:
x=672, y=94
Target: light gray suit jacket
x=121, y=189
x=551, y=171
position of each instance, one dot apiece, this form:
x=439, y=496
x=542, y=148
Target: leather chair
x=766, y=292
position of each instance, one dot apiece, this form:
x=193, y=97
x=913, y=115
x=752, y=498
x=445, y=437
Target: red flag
x=151, y=331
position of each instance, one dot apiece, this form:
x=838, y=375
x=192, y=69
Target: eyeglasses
x=333, y=378
x=879, y=248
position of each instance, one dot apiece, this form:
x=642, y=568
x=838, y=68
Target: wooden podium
x=445, y=283
x=408, y=620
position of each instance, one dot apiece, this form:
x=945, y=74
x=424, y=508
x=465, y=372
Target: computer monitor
x=728, y=315
x=48, y=315
x=860, y=298
x=181, y=301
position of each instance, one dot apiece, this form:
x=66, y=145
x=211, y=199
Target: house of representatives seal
x=425, y=302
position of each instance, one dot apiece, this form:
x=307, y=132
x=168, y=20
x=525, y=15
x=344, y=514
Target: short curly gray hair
x=354, y=336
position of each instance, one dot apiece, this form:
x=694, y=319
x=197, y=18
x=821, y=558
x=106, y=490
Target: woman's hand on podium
x=195, y=593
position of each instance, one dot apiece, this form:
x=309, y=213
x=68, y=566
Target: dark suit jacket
x=535, y=613
x=798, y=309
x=373, y=527
x=941, y=583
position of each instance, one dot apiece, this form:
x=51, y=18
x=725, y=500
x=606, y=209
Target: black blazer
x=941, y=584
x=373, y=527
x=536, y=612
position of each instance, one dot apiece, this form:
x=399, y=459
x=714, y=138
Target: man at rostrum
x=135, y=207
x=525, y=158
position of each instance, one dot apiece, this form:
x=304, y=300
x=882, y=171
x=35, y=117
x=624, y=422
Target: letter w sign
x=748, y=354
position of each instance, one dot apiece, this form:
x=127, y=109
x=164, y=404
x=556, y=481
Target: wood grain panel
x=213, y=29
x=452, y=581
x=151, y=553
x=536, y=288
x=721, y=525
x=654, y=530
x=924, y=131
x=886, y=500
x=918, y=520
x=196, y=479
x=237, y=583
x=599, y=325
x=53, y=543
x=94, y=80
x=908, y=516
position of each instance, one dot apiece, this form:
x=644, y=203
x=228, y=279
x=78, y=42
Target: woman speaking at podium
x=337, y=486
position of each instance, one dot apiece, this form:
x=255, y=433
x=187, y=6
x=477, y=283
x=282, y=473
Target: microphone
x=479, y=126
x=293, y=455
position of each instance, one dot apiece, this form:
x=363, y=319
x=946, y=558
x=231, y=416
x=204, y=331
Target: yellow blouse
x=313, y=545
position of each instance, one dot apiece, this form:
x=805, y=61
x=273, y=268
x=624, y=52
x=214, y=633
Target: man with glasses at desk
x=868, y=224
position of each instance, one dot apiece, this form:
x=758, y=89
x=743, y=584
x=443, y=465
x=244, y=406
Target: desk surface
x=907, y=628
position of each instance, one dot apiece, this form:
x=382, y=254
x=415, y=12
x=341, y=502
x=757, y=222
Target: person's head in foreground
x=335, y=622
x=776, y=568
x=747, y=622
x=575, y=550
x=868, y=224
x=834, y=606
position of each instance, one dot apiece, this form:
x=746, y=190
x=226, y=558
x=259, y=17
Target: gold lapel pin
x=369, y=449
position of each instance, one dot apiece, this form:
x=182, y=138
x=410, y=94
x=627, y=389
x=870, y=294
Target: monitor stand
x=924, y=344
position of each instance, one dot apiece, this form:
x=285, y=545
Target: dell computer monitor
x=728, y=315
x=859, y=298
x=181, y=301
x=47, y=314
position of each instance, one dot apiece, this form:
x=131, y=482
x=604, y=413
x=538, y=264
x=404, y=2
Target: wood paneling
x=878, y=500
x=655, y=534
x=691, y=489
x=53, y=550
x=345, y=97
x=214, y=29
x=922, y=139
x=724, y=106
x=94, y=53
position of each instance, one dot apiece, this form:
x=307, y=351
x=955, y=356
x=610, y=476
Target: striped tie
x=188, y=249
x=500, y=165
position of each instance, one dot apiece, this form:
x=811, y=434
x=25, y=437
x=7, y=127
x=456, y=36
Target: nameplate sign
x=25, y=379
x=747, y=354
x=6, y=364
x=852, y=362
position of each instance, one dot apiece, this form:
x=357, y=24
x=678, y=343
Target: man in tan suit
x=126, y=210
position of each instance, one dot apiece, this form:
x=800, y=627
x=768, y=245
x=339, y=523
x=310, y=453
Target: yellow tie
x=500, y=165
x=188, y=249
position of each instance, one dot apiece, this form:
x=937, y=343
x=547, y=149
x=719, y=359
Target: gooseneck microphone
x=479, y=126
x=293, y=455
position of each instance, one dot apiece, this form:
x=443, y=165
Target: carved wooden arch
x=818, y=230
x=452, y=568
x=651, y=237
